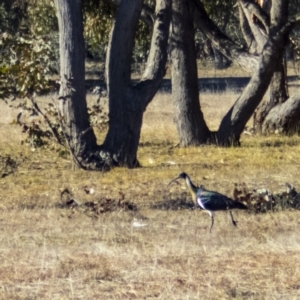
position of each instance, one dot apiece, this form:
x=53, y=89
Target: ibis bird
x=209, y=200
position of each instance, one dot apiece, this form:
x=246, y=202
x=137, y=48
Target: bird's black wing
x=215, y=201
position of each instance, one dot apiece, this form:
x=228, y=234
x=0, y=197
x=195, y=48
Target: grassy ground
x=49, y=251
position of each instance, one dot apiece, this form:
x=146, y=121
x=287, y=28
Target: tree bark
x=283, y=118
x=72, y=101
x=127, y=103
x=247, y=33
x=220, y=41
x=278, y=92
x=191, y=127
x=235, y=120
x=260, y=27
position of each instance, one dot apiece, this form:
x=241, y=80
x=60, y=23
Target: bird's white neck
x=192, y=188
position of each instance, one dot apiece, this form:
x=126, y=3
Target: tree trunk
x=220, y=41
x=278, y=94
x=127, y=103
x=72, y=103
x=235, y=120
x=258, y=21
x=247, y=33
x=283, y=118
x=191, y=127
x=278, y=86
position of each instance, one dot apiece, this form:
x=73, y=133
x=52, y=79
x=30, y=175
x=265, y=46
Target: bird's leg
x=211, y=214
x=233, y=221
x=212, y=223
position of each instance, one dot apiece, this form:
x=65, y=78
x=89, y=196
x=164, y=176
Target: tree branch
x=220, y=41
x=258, y=12
x=235, y=120
x=259, y=32
x=157, y=58
x=246, y=30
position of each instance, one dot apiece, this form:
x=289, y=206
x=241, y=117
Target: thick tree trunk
x=235, y=120
x=258, y=21
x=127, y=103
x=278, y=94
x=191, y=127
x=72, y=101
x=283, y=118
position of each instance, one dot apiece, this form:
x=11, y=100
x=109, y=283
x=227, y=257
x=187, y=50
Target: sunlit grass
x=49, y=252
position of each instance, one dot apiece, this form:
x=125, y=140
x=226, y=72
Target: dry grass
x=48, y=252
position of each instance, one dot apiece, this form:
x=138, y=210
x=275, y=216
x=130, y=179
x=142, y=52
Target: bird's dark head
x=180, y=176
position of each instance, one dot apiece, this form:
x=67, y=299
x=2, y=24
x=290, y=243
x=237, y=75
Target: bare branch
x=157, y=58
x=258, y=12
x=220, y=41
x=52, y=128
x=259, y=32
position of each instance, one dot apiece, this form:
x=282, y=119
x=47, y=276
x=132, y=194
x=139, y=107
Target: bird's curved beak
x=174, y=180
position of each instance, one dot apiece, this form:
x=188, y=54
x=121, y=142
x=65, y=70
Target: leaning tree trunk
x=72, y=101
x=220, y=41
x=246, y=31
x=127, y=103
x=191, y=127
x=258, y=21
x=235, y=120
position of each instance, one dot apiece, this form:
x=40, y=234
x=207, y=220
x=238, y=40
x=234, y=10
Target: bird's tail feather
x=237, y=205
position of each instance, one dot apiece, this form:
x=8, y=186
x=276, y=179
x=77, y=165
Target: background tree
x=126, y=102
x=235, y=120
x=256, y=17
x=191, y=127
x=224, y=16
x=28, y=57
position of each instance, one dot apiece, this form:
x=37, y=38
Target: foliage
x=98, y=18
x=40, y=126
x=29, y=60
x=43, y=126
x=29, y=57
x=225, y=15
x=41, y=18
x=142, y=42
x=98, y=116
x=26, y=66
x=42, y=22
x=11, y=15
